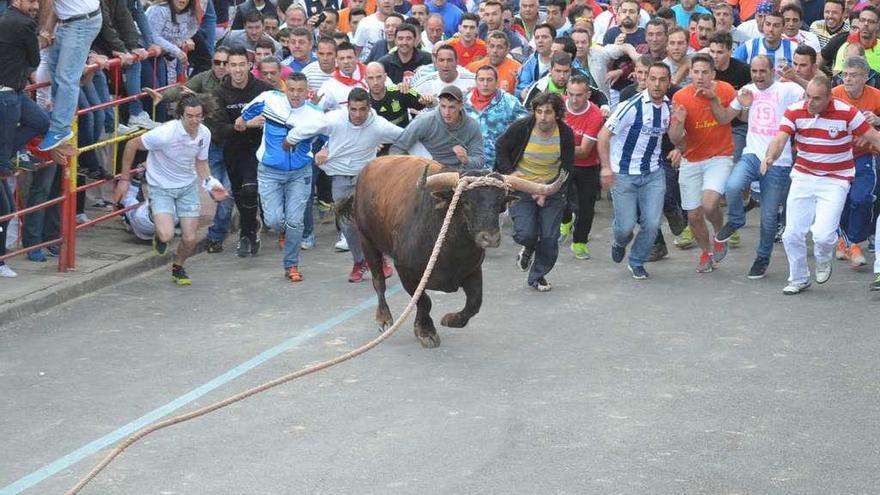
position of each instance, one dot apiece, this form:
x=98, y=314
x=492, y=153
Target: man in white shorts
x=708, y=153
x=177, y=160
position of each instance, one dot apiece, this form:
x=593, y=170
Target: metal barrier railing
x=69, y=171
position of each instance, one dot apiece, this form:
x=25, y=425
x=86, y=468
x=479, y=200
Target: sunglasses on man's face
x=220, y=63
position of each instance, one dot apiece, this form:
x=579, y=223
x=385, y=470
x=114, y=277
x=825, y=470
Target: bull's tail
x=345, y=208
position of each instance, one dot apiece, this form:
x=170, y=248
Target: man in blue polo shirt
x=451, y=15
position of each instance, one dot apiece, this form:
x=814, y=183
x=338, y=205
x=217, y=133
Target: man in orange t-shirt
x=507, y=67
x=708, y=153
x=857, y=216
x=467, y=45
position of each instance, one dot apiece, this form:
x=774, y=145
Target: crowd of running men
x=695, y=112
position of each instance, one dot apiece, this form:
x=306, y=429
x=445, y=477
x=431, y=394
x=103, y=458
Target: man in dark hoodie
x=240, y=142
x=537, y=148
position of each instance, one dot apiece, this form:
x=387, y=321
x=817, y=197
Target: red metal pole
x=67, y=260
x=66, y=230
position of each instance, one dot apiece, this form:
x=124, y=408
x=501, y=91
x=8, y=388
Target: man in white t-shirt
x=372, y=29
x=768, y=101
x=448, y=73
x=177, y=159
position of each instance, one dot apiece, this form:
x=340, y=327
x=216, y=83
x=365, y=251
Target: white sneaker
x=308, y=242
x=823, y=271
x=82, y=218
x=143, y=121
x=342, y=244
x=125, y=129
x=7, y=272
x=795, y=288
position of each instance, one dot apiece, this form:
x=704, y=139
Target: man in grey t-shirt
x=449, y=135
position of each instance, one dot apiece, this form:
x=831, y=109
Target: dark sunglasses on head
x=220, y=62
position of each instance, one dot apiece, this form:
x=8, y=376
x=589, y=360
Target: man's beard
x=627, y=23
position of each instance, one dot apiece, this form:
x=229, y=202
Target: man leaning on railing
x=20, y=118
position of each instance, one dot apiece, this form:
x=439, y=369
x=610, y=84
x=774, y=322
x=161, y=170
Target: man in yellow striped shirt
x=535, y=148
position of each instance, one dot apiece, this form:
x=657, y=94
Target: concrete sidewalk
x=105, y=254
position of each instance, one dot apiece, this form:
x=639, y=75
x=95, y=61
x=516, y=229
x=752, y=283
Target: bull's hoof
x=383, y=320
x=454, y=320
x=428, y=340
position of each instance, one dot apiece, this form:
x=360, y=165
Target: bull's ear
x=442, y=199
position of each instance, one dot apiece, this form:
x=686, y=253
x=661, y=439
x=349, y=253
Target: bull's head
x=481, y=206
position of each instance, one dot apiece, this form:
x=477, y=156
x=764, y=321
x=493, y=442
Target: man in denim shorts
x=177, y=159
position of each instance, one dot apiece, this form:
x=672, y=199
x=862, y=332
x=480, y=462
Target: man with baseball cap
x=449, y=135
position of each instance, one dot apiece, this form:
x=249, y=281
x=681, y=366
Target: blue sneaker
x=54, y=140
x=617, y=252
x=638, y=272
x=54, y=251
x=37, y=256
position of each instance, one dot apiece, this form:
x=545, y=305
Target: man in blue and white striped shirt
x=629, y=150
x=771, y=44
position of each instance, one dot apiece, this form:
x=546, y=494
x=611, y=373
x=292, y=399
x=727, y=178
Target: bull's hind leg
x=374, y=260
x=473, y=291
x=424, y=327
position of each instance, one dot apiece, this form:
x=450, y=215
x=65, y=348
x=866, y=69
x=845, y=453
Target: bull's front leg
x=473, y=291
x=423, y=327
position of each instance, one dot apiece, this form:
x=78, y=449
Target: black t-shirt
x=395, y=105
x=829, y=51
x=737, y=74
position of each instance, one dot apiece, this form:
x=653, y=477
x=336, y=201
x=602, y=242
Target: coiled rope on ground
x=464, y=184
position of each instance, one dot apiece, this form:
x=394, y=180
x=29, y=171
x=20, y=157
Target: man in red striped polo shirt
x=824, y=129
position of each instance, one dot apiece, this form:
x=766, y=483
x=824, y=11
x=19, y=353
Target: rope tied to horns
x=464, y=183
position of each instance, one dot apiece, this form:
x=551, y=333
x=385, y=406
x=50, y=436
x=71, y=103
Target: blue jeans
x=739, y=140
x=66, y=60
x=537, y=228
x=209, y=27
x=96, y=93
x=154, y=74
x=343, y=187
x=774, y=188
x=308, y=218
x=638, y=199
x=284, y=195
x=223, y=216
x=90, y=126
x=856, y=222
x=43, y=225
x=20, y=121
x=133, y=87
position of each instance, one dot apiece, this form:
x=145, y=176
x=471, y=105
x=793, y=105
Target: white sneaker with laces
x=143, y=121
x=82, y=218
x=795, y=288
x=342, y=244
x=7, y=272
x=823, y=271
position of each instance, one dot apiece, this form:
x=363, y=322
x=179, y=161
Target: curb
x=45, y=299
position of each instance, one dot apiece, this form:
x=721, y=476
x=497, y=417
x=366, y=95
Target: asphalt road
x=685, y=383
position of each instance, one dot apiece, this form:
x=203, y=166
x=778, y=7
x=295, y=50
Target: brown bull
x=399, y=205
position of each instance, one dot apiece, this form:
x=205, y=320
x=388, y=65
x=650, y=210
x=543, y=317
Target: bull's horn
x=441, y=181
x=529, y=187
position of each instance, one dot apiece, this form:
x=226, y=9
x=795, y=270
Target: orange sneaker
x=294, y=275
x=856, y=257
x=840, y=252
x=357, y=272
